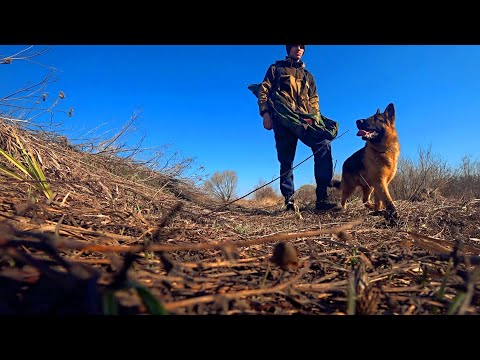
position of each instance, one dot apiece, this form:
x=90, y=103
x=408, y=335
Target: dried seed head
x=344, y=236
x=285, y=255
x=368, y=301
x=61, y=95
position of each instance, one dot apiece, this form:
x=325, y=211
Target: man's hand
x=267, y=121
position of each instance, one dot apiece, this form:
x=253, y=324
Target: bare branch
x=9, y=59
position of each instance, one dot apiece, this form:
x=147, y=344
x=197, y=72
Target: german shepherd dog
x=374, y=166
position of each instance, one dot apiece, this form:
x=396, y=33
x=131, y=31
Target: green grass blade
x=34, y=169
x=109, y=304
x=38, y=174
x=17, y=164
x=9, y=173
x=457, y=302
x=154, y=307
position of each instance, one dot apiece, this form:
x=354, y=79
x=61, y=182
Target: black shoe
x=328, y=206
x=290, y=204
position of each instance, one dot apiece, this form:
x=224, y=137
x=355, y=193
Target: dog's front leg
x=391, y=214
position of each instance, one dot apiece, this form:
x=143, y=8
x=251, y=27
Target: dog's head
x=374, y=128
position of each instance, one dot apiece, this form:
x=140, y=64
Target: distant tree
x=222, y=184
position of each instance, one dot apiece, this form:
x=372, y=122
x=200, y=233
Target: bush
x=266, y=194
x=306, y=194
x=466, y=182
x=428, y=174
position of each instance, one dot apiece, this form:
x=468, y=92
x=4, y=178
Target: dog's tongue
x=361, y=133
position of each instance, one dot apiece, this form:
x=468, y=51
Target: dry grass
x=104, y=231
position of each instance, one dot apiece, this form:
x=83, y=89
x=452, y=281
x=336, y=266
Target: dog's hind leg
x=347, y=191
x=367, y=192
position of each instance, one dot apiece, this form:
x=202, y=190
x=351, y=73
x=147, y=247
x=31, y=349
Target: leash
x=278, y=177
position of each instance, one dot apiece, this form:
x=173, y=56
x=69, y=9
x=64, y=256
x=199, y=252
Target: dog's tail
x=336, y=184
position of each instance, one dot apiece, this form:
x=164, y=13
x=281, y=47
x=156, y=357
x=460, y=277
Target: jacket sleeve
x=265, y=89
x=313, y=98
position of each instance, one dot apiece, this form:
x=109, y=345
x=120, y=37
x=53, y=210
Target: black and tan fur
x=373, y=167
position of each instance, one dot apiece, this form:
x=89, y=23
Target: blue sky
x=195, y=98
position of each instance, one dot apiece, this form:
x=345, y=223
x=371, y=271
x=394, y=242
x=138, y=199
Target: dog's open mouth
x=367, y=134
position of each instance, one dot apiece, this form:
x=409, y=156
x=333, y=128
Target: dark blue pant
x=286, y=144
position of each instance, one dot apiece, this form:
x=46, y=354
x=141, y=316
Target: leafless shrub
x=306, y=194
x=32, y=107
x=428, y=173
x=466, y=182
x=266, y=194
x=156, y=166
x=222, y=185
x=426, y=194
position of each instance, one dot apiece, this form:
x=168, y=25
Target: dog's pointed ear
x=390, y=112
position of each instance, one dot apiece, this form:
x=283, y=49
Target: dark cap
x=288, y=47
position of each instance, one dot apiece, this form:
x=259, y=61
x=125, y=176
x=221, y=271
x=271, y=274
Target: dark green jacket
x=295, y=88
x=289, y=94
